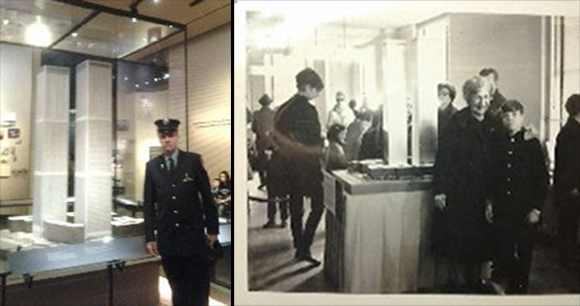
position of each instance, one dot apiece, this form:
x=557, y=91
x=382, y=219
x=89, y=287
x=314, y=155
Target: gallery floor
x=272, y=266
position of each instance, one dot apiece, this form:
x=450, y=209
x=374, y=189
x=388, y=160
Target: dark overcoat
x=462, y=173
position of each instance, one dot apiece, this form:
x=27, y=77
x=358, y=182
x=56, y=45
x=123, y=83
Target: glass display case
x=76, y=125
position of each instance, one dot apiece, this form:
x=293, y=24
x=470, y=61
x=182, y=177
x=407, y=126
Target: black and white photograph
x=114, y=190
x=409, y=147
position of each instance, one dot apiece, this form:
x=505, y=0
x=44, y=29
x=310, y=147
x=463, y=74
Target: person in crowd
x=215, y=187
x=222, y=198
x=181, y=221
x=340, y=113
x=353, y=107
x=354, y=134
x=497, y=99
x=298, y=150
x=567, y=184
x=374, y=139
x=461, y=179
x=335, y=158
x=446, y=94
x=519, y=187
x=262, y=125
x=225, y=181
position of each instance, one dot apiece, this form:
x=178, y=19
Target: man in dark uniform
x=519, y=188
x=567, y=185
x=297, y=152
x=180, y=226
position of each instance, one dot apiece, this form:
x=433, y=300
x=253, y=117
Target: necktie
x=171, y=165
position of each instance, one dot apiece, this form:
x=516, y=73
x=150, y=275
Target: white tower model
x=93, y=182
x=51, y=147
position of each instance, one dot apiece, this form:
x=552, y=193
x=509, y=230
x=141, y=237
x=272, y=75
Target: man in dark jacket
x=297, y=153
x=519, y=188
x=262, y=125
x=179, y=226
x=497, y=99
x=567, y=183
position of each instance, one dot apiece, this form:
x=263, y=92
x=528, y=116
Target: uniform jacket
x=520, y=178
x=567, y=168
x=179, y=208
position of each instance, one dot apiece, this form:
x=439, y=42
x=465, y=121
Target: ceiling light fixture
x=134, y=19
x=75, y=34
x=5, y=21
x=38, y=34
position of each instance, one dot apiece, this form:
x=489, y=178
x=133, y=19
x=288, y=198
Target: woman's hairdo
x=333, y=131
x=473, y=85
x=451, y=88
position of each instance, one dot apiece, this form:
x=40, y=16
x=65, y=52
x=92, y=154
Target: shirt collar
x=174, y=156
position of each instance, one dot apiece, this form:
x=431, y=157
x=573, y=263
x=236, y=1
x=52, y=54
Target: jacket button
x=512, y=140
x=174, y=197
x=509, y=165
x=173, y=185
x=509, y=192
x=509, y=179
x=175, y=211
x=510, y=152
x=176, y=224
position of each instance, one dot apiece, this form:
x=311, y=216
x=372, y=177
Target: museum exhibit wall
x=209, y=97
x=16, y=93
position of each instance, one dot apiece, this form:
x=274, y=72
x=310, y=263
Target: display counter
x=377, y=233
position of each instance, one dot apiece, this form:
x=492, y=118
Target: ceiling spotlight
x=134, y=19
x=146, y=83
x=5, y=21
x=156, y=1
x=126, y=78
x=75, y=34
x=166, y=76
x=171, y=26
x=38, y=34
x=137, y=85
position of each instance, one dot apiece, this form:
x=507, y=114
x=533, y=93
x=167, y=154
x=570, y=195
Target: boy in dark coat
x=519, y=188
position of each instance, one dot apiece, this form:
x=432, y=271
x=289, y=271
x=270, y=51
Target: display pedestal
x=378, y=238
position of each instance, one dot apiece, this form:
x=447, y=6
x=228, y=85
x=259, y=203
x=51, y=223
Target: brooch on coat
x=187, y=178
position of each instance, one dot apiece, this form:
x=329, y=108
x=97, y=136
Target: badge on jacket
x=187, y=178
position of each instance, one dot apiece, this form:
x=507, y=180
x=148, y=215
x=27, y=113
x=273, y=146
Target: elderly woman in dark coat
x=460, y=188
